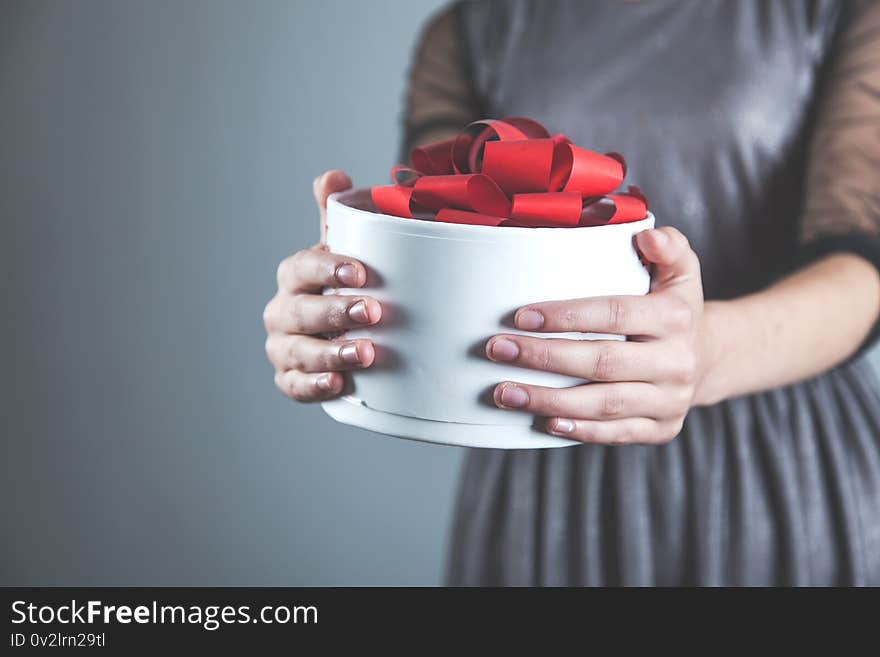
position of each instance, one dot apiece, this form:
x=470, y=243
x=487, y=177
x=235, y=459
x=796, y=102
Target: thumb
x=675, y=263
x=324, y=185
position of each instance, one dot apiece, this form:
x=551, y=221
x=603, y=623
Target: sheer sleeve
x=843, y=179
x=440, y=99
x=842, y=204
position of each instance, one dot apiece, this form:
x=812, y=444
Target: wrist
x=715, y=323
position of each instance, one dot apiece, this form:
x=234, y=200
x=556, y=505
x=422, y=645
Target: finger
x=311, y=270
x=649, y=315
x=596, y=360
x=308, y=354
x=593, y=401
x=324, y=185
x=311, y=314
x=309, y=387
x=615, y=432
x=673, y=259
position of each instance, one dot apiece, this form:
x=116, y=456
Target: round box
x=445, y=289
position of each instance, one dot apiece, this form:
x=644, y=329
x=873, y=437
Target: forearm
x=799, y=327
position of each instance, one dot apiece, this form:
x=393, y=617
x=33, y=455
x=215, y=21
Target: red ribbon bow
x=511, y=173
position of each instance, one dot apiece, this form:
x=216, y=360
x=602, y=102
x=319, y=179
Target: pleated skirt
x=780, y=488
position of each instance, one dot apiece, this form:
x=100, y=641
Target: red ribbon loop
x=511, y=172
x=592, y=173
x=467, y=150
x=473, y=191
x=615, y=208
x=393, y=199
x=553, y=208
x=434, y=159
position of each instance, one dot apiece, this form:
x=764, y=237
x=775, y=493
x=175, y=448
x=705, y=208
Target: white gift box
x=445, y=289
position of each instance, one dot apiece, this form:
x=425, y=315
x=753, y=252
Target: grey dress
x=754, y=128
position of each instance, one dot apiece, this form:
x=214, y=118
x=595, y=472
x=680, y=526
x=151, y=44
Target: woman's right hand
x=308, y=366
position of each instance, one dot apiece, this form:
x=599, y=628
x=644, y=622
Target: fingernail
x=346, y=274
x=529, y=320
x=562, y=425
x=504, y=349
x=660, y=237
x=358, y=312
x=349, y=354
x=324, y=382
x=514, y=396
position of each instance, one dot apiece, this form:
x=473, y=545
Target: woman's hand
x=308, y=367
x=643, y=388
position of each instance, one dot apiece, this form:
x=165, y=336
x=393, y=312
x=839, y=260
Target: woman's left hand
x=641, y=389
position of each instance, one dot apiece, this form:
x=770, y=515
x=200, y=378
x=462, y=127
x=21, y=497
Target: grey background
x=156, y=161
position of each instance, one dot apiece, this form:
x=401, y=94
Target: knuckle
x=295, y=392
x=286, y=385
x=618, y=314
x=297, y=259
x=269, y=348
x=670, y=432
x=681, y=401
x=672, y=401
x=690, y=368
x=292, y=355
x=269, y=315
x=685, y=370
x=542, y=356
x=612, y=404
x=606, y=365
x=285, y=270
x=296, y=315
x=679, y=315
x=322, y=267
x=677, y=426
